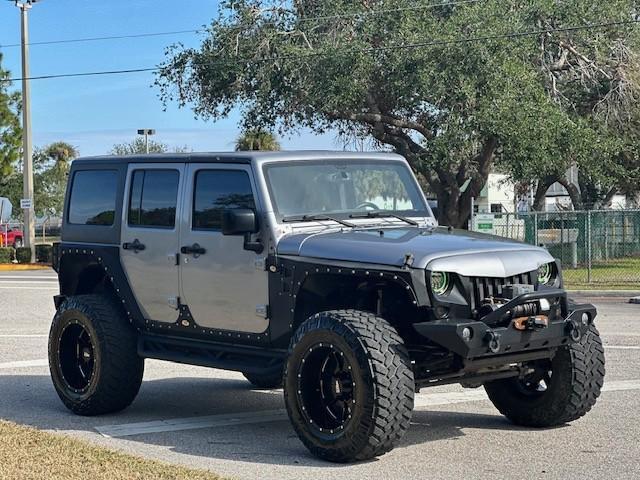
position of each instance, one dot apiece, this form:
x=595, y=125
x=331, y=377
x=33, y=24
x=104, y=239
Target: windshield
x=340, y=189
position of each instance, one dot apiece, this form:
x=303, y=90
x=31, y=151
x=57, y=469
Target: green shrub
x=6, y=254
x=23, y=254
x=44, y=253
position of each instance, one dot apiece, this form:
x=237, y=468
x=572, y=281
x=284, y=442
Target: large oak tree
x=444, y=84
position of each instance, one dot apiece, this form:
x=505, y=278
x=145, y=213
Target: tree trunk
x=541, y=192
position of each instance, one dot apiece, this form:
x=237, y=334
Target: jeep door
x=224, y=285
x=150, y=236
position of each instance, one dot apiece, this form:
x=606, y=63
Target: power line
x=307, y=19
x=112, y=37
x=432, y=43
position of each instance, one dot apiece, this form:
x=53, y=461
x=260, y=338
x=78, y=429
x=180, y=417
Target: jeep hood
x=458, y=251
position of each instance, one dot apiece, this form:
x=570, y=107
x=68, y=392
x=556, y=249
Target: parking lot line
x=53, y=287
x=621, y=347
x=192, y=423
x=422, y=402
x=11, y=335
x=24, y=364
x=49, y=277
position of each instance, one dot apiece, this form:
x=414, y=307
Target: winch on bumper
x=473, y=339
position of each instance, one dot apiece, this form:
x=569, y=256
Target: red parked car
x=11, y=237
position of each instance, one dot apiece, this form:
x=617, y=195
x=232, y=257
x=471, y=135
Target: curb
x=605, y=293
x=15, y=267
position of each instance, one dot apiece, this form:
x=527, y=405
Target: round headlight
x=545, y=273
x=440, y=282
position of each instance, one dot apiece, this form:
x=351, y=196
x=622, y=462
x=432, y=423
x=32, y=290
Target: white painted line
x=621, y=347
x=192, y=423
x=425, y=400
x=27, y=282
x=11, y=287
x=422, y=402
x=10, y=335
x=24, y=364
x=29, y=277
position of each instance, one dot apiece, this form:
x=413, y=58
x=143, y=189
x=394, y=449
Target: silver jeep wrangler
x=324, y=273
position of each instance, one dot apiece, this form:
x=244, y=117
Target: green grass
x=621, y=273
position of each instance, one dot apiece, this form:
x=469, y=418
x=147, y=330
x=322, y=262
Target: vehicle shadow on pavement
x=31, y=400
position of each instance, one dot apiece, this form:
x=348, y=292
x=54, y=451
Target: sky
x=94, y=113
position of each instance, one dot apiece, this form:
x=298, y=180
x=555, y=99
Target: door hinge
x=262, y=311
x=174, y=258
x=260, y=263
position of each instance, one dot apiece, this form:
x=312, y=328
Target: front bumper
x=473, y=339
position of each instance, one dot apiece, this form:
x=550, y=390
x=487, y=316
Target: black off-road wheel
x=349, y=385
x=268, y=381
x=556, y=391
x=93, y=356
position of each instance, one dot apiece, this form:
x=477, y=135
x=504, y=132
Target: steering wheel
x=365, y=205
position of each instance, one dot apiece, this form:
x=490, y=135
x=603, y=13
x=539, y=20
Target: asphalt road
x=214, y=420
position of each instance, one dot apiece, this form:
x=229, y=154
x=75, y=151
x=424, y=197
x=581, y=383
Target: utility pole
x=146, y=132
x=27, y=147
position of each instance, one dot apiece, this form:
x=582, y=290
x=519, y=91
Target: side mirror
x=239, y=221
x=242, y=221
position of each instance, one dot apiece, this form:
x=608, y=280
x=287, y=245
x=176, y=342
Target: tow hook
x=493, y=339
x=573, y=329
x=534, y=322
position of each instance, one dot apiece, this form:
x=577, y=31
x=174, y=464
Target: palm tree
x=257, y=139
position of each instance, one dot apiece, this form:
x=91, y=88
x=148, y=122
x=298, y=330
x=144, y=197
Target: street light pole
x=146, y=132
x=27, y=147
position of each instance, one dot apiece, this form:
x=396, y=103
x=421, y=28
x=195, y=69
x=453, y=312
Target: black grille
x=483, y=287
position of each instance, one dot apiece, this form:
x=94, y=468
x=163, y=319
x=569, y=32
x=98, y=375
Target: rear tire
x=273, y=380
x=93, y=356
x=573, y=380
x=349, y=385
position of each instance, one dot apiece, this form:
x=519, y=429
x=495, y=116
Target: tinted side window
x=216, y=190
x=93, y=197
x=153, y=200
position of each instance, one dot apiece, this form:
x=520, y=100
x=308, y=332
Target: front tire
x=349, y=385
x=93, y=356
x=557, y=391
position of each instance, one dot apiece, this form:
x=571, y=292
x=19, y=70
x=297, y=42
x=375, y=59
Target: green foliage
x=10, y=129
x=44, y=253
x=23, y=254
x=452, y=108
x=138, y=147
x=6, y=254
x=257, y=139
x=51, y=166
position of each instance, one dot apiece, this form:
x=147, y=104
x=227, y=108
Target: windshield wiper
x=384, y=213
x=318, y=217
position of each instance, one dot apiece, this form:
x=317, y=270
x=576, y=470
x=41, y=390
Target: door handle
x=136, y=246
x=195, y=250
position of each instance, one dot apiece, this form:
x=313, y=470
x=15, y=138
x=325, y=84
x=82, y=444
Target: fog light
x=467, y=334
x=585, y=319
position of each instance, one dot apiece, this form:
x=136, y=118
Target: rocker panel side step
x=238, y=358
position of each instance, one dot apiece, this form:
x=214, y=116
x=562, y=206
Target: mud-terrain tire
x=348, y=385
x=93, y=356
x=273, y=380
x=577, y=376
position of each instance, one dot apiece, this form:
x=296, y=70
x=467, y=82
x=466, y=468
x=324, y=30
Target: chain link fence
x=597, y=249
